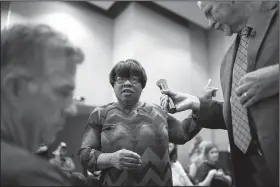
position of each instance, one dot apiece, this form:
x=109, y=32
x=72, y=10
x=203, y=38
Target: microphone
x=162, y=84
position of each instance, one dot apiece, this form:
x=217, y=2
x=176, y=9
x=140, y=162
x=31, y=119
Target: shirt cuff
x=94, y=154
x=200, y=116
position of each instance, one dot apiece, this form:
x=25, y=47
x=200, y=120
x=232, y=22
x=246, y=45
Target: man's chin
x=226, y=32
x=225, y=29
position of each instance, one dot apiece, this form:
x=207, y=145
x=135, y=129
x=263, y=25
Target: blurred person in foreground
x=38, y=67
x=128, y=140
x=250, y=83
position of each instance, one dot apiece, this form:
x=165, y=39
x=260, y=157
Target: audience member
x=66, y=164
x=62, y=161
x=211, y=157
x=38, y=67
x=197, y=159
x=179, y=176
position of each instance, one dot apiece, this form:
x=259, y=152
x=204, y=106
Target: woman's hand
x=126, y=160
x=219, y=173
x=222, y=176
x=212, y=172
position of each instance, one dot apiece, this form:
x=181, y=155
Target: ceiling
x=186, y=9
x=103, y=4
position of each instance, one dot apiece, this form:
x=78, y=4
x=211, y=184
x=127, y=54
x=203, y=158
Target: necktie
x=241, y=129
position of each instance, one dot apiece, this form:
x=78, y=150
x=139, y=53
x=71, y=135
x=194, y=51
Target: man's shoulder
x=25, y=168
x=13, y=158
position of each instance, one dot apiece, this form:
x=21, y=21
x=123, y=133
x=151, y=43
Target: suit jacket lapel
x=260, y=24
x=226, y=82
x=230, y=58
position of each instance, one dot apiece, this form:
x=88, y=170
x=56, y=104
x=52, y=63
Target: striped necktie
x=241, y=129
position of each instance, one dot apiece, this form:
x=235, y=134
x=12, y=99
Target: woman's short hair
x=128, y=68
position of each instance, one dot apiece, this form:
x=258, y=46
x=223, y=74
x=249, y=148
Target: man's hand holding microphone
x=181, y=101
x=184, y=101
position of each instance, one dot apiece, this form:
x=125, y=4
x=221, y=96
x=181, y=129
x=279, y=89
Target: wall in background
x=90, y=31
x=166, y=50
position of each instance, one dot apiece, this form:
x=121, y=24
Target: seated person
x=66, y=164
x=197, y=159
x=60, y=159
x=179, y=176
x=211, y=156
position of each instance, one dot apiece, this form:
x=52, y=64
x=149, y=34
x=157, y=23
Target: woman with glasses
x=128, y=140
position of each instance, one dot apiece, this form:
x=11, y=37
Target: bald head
x=227, y=16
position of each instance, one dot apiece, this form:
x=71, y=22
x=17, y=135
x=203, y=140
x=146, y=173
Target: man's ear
x=15, y=85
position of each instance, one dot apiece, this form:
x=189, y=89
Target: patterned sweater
x=146, y=130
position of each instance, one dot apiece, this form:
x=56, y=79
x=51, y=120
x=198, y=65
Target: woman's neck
x=129, y=106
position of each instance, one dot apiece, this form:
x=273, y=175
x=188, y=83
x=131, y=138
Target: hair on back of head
x=23, y=45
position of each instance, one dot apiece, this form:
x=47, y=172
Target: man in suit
x=38, y=67
x=250, y=83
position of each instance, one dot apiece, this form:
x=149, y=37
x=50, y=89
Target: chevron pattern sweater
x=144, y=130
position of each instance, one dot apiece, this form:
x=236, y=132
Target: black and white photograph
x=140, y=93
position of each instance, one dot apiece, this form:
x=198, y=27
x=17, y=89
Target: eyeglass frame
x=127, y=78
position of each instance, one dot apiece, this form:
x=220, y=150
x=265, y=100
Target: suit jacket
x=263, y=50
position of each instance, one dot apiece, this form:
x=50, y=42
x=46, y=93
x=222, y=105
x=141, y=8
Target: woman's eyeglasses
x=132, y=79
